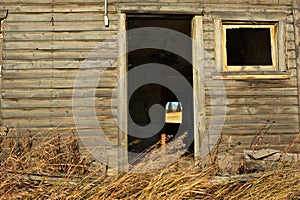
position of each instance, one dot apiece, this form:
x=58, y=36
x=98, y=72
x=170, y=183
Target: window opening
x=249, y=47
x=173, y=112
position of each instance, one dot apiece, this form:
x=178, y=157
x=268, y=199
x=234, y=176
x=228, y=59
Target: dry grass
x=55, y=169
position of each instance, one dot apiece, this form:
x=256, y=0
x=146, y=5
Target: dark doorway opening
x=248, y=46
x=147, y=95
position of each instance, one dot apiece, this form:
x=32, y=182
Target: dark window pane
x=248, y=46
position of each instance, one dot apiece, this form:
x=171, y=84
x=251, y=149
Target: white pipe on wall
x=106, y=20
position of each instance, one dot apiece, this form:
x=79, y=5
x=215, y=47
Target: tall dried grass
x=55, y=169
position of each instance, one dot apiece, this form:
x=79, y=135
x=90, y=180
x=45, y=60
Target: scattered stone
x=271, y=155
x=252, y=167
x=225, y=163
x=261, y=154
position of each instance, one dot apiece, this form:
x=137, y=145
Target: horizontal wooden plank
x=287, y=119
x=3, y=13
x=247, y=7
x=257, y=109
x=59, y=45
x=253, y=129
x=55, y=112
x=287, y=2
x=46, y=1
x=59, y=73
x=59, y=64
x=208, y=36
x=292, y=64
x=170, y=8
x=56, y=122
x=49, y=83
x=253, y=77
x=59, y=17
x=57, y=7
x=93, y=1
x=291, y=54
x=82, y=35
x=292, y=91
x=44, y=133
x=246, y=142
x=290, y=83
x=208, y=26
x=290, y=45
x=253, y=101
x=59, y=26
x=290, y=36
x=263, y=2
x=55, y=93
x=58, y=54
x=57, y=103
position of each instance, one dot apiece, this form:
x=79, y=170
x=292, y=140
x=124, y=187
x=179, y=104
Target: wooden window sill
x=251, y=75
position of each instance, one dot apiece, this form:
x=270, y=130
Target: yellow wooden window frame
x=274, y=46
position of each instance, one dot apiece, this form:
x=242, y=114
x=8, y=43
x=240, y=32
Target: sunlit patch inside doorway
x=173, y=112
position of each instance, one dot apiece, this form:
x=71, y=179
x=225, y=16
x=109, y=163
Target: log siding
x=46, y=41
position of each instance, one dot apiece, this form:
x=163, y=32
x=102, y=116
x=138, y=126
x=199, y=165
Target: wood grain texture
x=47, y=41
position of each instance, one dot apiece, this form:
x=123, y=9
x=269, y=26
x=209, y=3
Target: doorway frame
x=198, y=84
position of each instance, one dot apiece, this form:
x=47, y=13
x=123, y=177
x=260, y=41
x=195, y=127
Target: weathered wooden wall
x=251, y=103
x=46, y=41
x=296, y=12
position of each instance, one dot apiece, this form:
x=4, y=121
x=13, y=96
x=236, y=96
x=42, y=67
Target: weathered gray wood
x=59, y=26
x=122, y=94
x=58, y=73
x=258, y=109
x=71, y=63
x=289, y=83
x=246, y=7
x=61, y=45
x=59, y=17
x=55, y=93
x=56, y=7
x=54, y=112
x=58, y=122
x=57, y=54
x=94, y=1
x=254, y=101
x=3, y=13
x=159, y=8
x=252, y=77
x=58, y=36
x=281, y=65
x=56, y=103
x=251, y=130
x=218, y=45
x=296, y=13
x=237, y=119
x=1, y=64
x=262, y=154
x=106, y=82
x=37, y=84
x=280, y=92
x=198, y=84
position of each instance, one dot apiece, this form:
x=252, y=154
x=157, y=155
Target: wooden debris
x=261, y=154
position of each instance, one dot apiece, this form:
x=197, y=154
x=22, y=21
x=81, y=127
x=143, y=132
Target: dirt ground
x=174, y=117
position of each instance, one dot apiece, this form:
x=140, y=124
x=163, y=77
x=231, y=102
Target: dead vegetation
x=55, y=169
